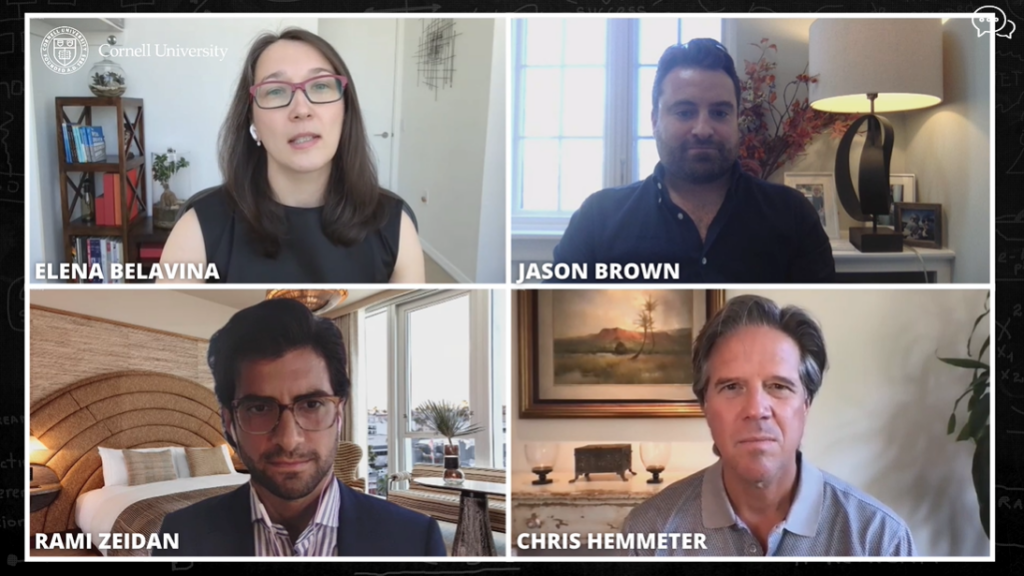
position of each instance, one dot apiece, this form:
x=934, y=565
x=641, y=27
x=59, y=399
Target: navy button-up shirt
x=763, y=233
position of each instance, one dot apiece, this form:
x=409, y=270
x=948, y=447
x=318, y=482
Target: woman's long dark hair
x=354, y=203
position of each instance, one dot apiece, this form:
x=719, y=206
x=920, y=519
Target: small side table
x=473, y=535
x=42, y=496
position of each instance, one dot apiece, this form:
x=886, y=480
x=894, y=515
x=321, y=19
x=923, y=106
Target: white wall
x=185, y=100
x=491, y=249
x=443, y=147
x=950, y=143
x=879, y=421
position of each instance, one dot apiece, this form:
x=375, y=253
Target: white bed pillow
x=115, y=471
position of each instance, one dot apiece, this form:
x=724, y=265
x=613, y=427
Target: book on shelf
x=83, y=144
x=107, y=252
x=108, y=202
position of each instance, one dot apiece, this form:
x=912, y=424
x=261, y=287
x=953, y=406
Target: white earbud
x=252, y=130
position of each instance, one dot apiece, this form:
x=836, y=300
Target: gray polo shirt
x=828, y=517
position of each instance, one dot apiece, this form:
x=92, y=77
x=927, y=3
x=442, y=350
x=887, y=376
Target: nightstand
x=42, y=496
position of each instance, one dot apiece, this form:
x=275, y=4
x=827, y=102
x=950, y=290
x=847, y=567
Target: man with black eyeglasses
x=698, y=217
x=281, y=379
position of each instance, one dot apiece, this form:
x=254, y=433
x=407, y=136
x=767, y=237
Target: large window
x=582, y=109
x=441, y=346
x=377, y=400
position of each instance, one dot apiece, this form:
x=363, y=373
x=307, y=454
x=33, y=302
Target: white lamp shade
x=900, y=60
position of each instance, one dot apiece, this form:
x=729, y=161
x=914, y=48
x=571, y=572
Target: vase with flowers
x=777, y=126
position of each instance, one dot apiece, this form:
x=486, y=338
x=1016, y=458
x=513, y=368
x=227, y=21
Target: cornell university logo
x=65, y=50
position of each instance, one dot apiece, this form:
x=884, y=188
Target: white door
x=368, y=48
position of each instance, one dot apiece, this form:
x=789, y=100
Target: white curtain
x=354, y=428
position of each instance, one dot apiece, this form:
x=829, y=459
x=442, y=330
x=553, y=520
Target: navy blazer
x=367, y=526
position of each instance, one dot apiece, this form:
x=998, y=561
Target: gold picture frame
x=538, y=366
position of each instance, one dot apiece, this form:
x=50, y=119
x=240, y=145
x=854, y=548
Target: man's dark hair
x=268, y=331
x=702, y=53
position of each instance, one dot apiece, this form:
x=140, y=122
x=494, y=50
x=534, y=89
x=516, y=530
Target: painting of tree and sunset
x=622, y=337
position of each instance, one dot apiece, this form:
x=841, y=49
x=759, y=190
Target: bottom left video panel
x=239, y=423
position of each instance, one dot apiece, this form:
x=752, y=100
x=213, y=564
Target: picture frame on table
x=610, y=353
x=920, y=224
x=820, y=190
x=902, y=188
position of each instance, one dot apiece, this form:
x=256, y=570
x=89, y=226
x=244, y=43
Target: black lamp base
x=881, y=240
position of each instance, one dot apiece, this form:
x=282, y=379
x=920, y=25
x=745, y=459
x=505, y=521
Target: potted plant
x=976, y=427
x=450, y=421
x=165, y=212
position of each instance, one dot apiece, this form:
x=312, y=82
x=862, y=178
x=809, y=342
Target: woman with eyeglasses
x=300, y=202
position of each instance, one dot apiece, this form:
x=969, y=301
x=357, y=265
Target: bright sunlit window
x=438, y=346
x=582, y=109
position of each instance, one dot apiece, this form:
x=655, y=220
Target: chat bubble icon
x=989, y=23
x=1008, y=29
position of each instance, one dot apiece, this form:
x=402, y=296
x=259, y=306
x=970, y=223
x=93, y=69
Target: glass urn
x=106, y=78
x=541, y=458
x=655, y=457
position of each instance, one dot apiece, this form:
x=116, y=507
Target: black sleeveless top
x=306, y=254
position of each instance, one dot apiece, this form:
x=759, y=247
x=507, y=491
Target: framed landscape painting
x=610, y=353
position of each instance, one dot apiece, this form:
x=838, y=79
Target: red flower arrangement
x=771, y=137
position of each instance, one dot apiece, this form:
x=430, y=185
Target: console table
x=597, y=506
x=854, y=266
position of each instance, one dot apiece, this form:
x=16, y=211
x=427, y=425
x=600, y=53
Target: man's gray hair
x=754, y=311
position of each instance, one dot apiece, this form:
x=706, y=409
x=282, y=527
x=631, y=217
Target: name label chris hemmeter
x=613, y=541
x=106, y=541
x=134, y=271
x=651, y=272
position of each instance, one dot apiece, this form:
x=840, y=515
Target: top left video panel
x=266, y=150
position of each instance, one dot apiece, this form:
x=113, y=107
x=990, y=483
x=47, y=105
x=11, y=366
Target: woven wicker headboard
x=116, y=410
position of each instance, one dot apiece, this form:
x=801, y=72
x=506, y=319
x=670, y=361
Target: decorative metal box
x=604, y=459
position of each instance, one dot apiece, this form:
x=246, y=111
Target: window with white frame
x=434, y=346
x=582, y=101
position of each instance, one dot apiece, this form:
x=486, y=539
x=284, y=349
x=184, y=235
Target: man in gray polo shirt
x=757, y=368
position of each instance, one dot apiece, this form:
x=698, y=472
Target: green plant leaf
x=965, y=433
x=980, y=475
x=965, y=363
x=978, y=420
x=951, y=427
x=975, y=328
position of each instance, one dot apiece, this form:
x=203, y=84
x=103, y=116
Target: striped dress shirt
x=320, y=538
x=828, y=517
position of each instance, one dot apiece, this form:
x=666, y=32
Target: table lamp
x=34, y=445
x=870, y=66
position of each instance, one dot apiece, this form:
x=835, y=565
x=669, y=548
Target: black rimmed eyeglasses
x=262, y=415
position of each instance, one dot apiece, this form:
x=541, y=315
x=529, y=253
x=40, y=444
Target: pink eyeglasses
x=318, y=90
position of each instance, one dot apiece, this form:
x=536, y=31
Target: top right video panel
x=704, y=150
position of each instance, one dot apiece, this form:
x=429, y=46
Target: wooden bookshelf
x=131, y=232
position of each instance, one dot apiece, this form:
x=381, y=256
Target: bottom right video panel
x=733, y=423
